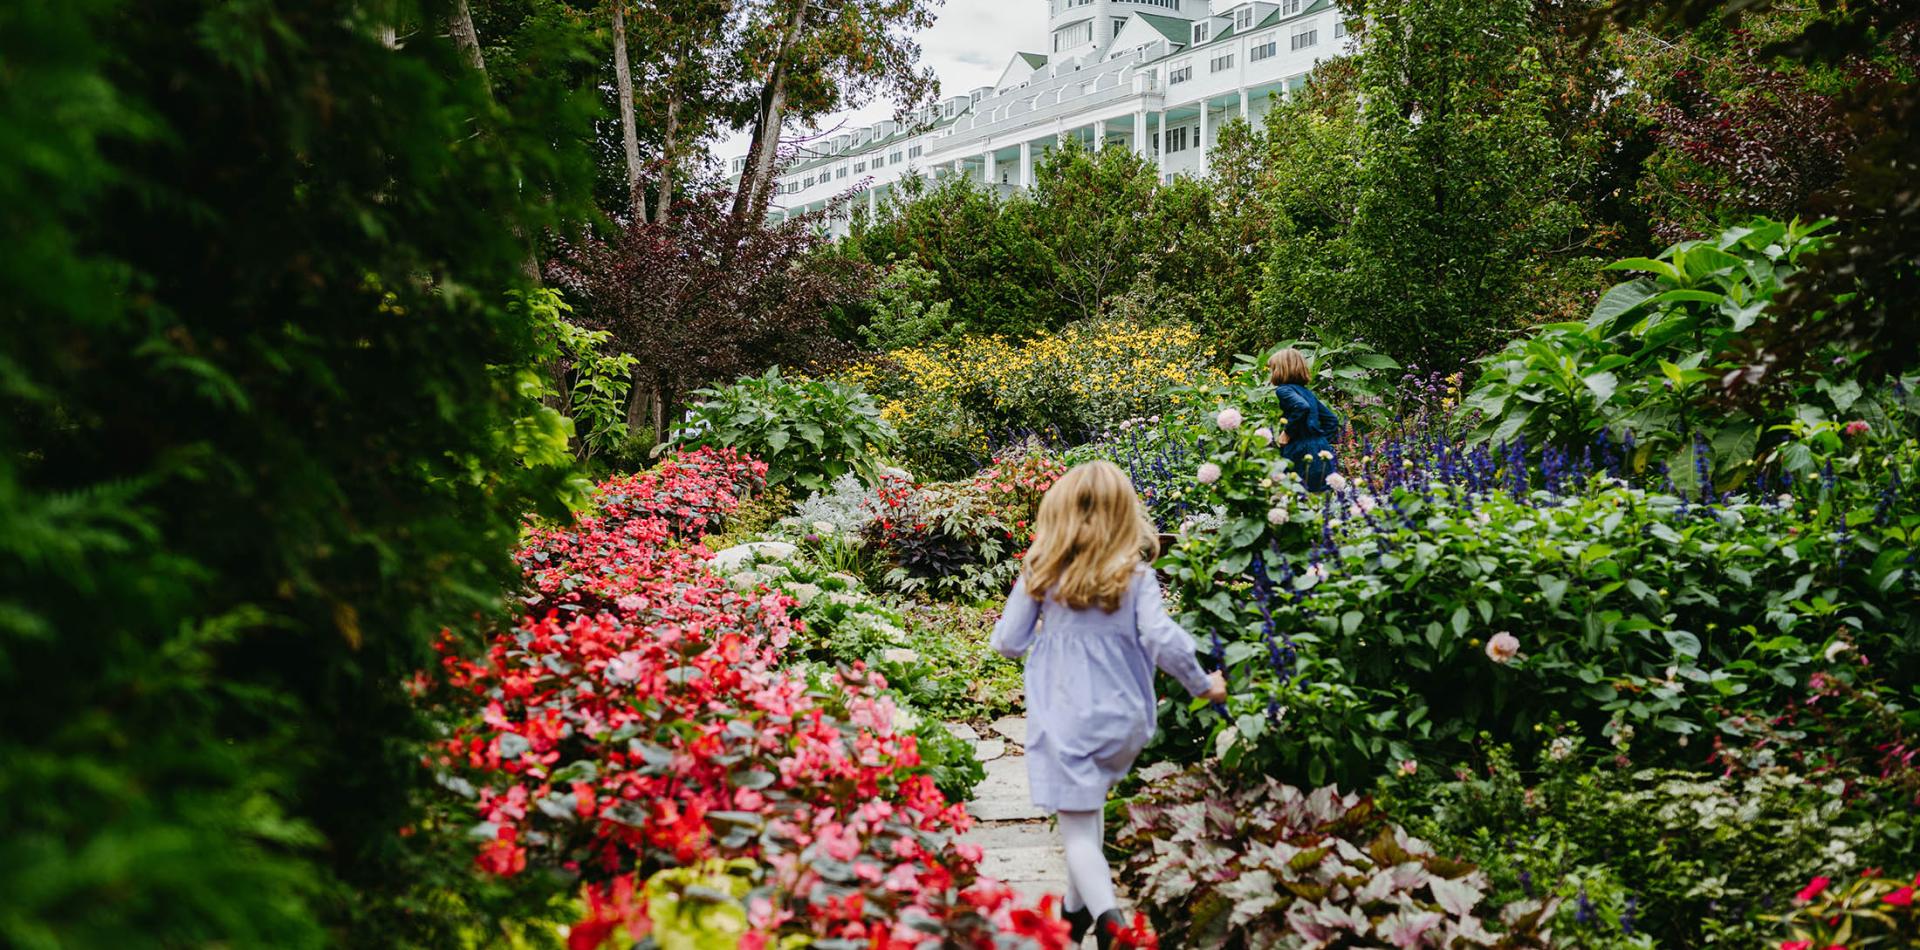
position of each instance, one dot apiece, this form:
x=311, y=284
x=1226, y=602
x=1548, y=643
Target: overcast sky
x=967, y=47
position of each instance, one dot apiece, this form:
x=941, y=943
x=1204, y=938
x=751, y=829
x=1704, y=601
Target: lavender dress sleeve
x=1013, y=634
x=1165, y=641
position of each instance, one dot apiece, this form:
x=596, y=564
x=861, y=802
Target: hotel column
x=1099, y=134
x=1243, y=107
x=1026, y=164
x=1140, y=134
x=986, y=165
x=1161, y=159
x=1203, y=136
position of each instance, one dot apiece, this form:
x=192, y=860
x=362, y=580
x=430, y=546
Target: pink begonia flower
x=1814, y=889
x=1228, y=419
x=1503, y=647
x=626, y=667
x=1856, y=427
x=1337, y=482
x=1209, y=473
x=1900, y=898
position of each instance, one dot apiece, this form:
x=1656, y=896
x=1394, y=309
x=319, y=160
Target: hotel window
x=1177, y=139
x=842, y=173
x=1221, y=64
x=1119, y=23
x=914, y=152
x=1179, y=74
x=1339, y=28
x=1265, y=47
x=1305, y=38
x=1243, y=18
x=899, y=157
x=808, y=183
x=1202, y=30
x=1291, y=7
x=1072, y=35
x=859, y=167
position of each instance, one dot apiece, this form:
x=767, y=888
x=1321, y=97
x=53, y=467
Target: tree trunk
x=460, y=27
x=663, y=202
x=756, y=180
x=629, y=132
x=460, y=24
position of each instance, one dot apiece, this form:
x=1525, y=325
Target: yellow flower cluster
x=1085, y=379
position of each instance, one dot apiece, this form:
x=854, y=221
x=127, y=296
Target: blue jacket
x=1311, y=429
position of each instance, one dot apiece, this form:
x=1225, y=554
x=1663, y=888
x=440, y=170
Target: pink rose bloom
x=1209, y=473
x=1228, y=419
x=1503, y=647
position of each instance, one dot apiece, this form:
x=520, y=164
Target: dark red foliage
x=1771, y=146
x=703, y=298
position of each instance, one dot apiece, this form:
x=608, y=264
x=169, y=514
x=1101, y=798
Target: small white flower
x=1337, y=482
x=1836, y=649
x=1277, y=516
x=1228, y=419
x=1560, y=748
x=1324, y=454
x=1483, y=517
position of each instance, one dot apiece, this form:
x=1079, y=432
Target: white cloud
x=967, y=47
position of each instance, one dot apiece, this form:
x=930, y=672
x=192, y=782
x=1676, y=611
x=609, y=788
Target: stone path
x=1019, y=845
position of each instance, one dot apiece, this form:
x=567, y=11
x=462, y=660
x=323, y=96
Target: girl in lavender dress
x=1101, y=629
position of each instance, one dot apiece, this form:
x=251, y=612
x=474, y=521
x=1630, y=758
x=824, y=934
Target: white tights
x=1089, y=880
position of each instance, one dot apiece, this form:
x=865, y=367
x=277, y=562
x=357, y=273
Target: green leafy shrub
x=1654, y=353
x=1230, y=863
x=1704, y=858
x=808, y=431
x=955, y=674
x=271, y=425
x=1357, y=626
x=596, y=382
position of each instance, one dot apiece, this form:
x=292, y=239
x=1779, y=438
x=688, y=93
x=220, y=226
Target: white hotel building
x=1156, y=76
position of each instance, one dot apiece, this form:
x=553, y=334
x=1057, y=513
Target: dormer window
x=1243, y=18
x=1291, y=7
x=1202, y=30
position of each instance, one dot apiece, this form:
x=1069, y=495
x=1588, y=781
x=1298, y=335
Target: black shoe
x=1078, y=923
x=1107, y=930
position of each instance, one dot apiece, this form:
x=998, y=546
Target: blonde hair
x=1288, y=366
x=1090, y=534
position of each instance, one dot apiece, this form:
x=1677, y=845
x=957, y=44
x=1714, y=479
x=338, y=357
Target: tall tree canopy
x=266, y=431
